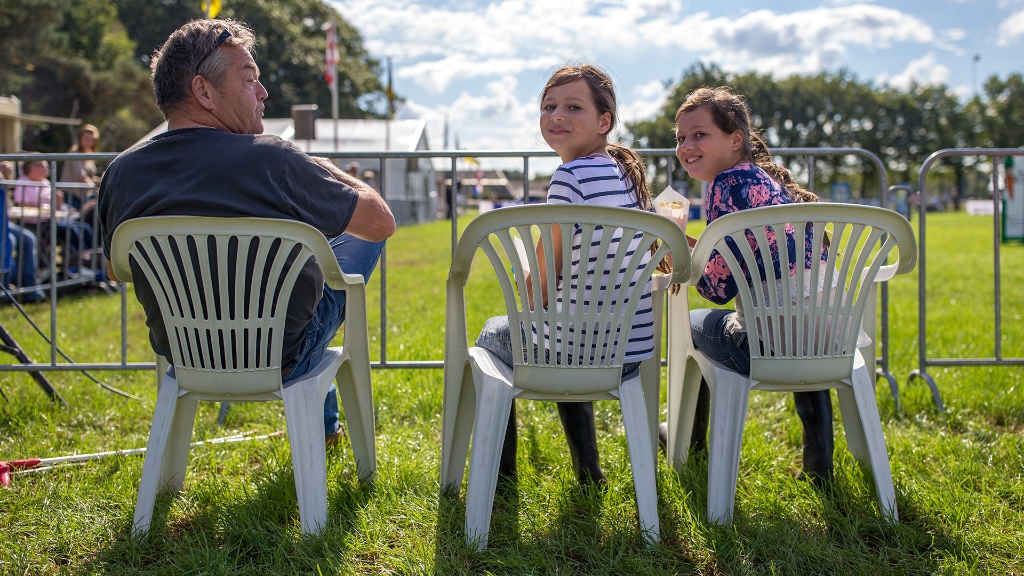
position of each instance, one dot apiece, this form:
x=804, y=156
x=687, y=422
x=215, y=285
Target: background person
x=33, y=191
x=82, y=171
x=22, y=245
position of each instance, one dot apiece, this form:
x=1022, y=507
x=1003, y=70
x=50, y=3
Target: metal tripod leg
x=11, y=347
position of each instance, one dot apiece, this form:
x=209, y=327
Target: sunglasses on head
x=224, y=35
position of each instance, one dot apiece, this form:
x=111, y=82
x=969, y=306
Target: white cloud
x=435, y=45
x=963, y=92
x=1011, y=29
x=436, y=75
x=923, y=71
x=806, y=41
x=481, y=65
x=954, y=34
x=647, y=100
x=495, y=118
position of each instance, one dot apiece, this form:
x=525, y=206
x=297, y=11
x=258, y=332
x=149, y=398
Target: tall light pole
x=974, y=73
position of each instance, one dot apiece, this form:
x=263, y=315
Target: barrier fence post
x=921, y=372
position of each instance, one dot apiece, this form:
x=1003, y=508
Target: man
x=212, y=161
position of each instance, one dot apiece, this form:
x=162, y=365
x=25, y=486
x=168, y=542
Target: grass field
x=958, y=474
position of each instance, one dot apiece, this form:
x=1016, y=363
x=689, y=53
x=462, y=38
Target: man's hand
x=110, y=272
x=372, y=220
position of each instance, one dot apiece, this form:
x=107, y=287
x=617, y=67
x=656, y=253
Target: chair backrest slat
x=797, y=309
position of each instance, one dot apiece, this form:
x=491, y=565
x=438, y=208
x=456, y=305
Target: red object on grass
x=7, y=467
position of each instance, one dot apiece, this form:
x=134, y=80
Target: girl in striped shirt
x=578, y=111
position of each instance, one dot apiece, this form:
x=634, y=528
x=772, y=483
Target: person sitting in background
x=33, y=191
x=22, y=244
x=370, y=178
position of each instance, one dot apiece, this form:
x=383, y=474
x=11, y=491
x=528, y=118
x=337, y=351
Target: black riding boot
x=815, y=411
x=701, y=417
x=507, y=475
x=699, y=434
x=581, y=434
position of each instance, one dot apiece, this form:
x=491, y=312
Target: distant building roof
x=353, y=135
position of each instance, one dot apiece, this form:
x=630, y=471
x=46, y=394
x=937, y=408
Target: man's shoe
x=332, y=440
x=663, y=436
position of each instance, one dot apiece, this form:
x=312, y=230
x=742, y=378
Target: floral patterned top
x=742, y=187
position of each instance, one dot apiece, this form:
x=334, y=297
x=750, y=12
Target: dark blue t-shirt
x=210, y=172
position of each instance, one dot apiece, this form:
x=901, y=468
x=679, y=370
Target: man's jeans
x=355, y=256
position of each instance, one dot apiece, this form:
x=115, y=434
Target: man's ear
x=202, y=91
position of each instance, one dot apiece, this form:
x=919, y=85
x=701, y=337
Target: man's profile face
x=239, y=97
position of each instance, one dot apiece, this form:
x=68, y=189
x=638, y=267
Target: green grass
x=958, y=475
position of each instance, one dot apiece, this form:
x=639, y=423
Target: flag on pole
x=211, y=8
x=390, y=92
x=332, y=57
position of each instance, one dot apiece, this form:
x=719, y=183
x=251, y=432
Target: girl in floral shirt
x=716, y=145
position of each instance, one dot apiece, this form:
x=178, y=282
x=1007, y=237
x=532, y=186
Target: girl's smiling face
x=704, y=150
x=571, y=123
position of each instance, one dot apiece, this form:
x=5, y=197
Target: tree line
x=90, y=59
x=835, y=109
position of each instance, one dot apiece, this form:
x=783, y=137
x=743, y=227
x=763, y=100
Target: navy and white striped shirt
x=599, y=180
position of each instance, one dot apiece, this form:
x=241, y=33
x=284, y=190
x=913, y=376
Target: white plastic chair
x=225, y=314
x=809, y=340
x=479, y=388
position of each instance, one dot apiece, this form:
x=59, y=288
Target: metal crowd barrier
x=810, y=154
x=995, y=154
x=82, y=276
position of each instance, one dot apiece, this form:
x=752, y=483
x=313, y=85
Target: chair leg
x=161, y=369
x=634, y=417
x=459, y=414
x=495, y=399
x=860, y=417
x=153, y=475
x=179, y=441
x=650, y=377
x=303, y=413
x=729, y=395
x=356, y=392
x=682, y=405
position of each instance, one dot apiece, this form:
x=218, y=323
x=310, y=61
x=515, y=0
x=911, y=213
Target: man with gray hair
x=213, y=161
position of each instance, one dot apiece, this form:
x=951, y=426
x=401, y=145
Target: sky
x=481, y=64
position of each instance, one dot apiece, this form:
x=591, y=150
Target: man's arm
x=371, y=220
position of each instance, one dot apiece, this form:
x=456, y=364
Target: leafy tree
x=73, y=57
x=291, y=41
x=838, y=110
x=1002, y=113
